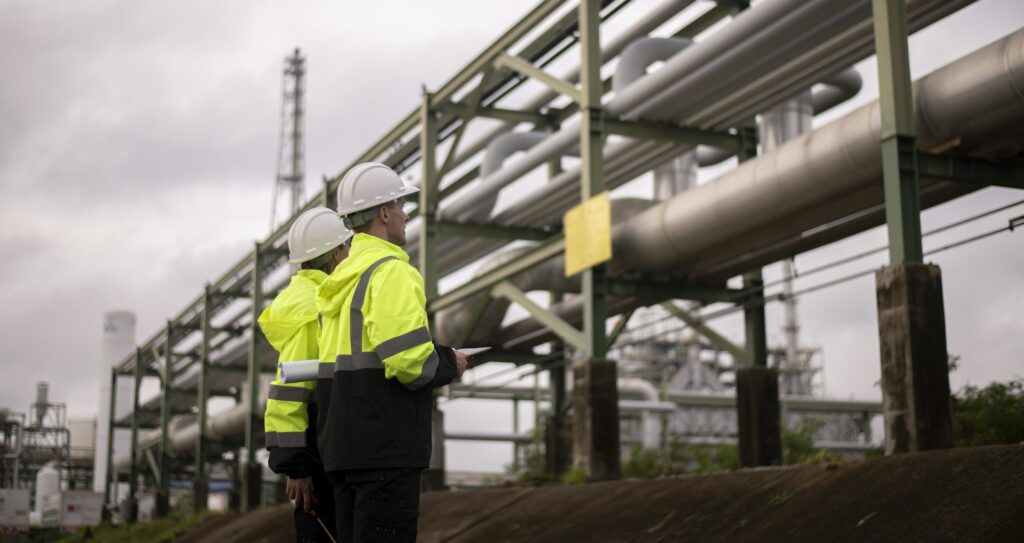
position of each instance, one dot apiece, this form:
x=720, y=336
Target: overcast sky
x=138, y=147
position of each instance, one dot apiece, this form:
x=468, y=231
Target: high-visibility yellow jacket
x=290, y=325
x=381, y=363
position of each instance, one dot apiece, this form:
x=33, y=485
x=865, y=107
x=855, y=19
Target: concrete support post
x=911, y=318
x=252, y=472
x=558, y=436
x=133, y=461
x=758, y=413
x=111, y=476
x=915, y=365
x=596, y=420
x=200, y=481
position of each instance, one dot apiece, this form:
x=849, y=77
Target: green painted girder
x=562, y=329
x=487, y=230
x=503, y=114
x=972, y=171
x=551, y=247
x=524, y=67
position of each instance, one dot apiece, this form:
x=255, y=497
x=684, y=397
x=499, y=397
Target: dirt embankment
x=955, y=495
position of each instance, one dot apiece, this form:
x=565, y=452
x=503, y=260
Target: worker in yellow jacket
x=378, y=366
x=317, y=242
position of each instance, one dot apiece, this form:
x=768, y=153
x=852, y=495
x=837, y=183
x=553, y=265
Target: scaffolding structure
x=213, y=347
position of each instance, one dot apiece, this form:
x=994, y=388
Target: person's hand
x=301, y=490
x=461, y=363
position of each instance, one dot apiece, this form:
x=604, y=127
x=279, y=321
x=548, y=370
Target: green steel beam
x=462, y=181
x=469, y=111
x=428, y=197
x=971, y=171
x=110, y=445
x=755, y=334
x=738, y=352
x=562, y=329
x=671, y=132
x=524, y=67
x=486, y=230
x=554, y=245
x=595, y=306
x=476, y=312
x=163, y=496
x=154, y=467
x=620, y=326
x=514, y=34
x=133, y=463
x=199, y=480
x=899, y=156
x=252, y=426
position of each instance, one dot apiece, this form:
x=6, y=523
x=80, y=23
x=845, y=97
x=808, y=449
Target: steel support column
x=163, y=493
x=433, y=477
x=911, y=319
x=252, y=472
x=595, y=394
x=110, y=446
x=133, y=462
x=200, y=482
x=757, y=389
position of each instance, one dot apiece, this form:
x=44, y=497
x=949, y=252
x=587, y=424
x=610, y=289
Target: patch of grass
x=780, y=498
x=574, y=476
x=155, y=531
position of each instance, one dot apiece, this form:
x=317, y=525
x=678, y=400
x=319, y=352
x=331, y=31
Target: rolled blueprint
x=299, y=371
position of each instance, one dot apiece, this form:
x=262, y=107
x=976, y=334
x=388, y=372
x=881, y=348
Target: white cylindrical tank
x=47, y=483
x=83, y=437
x=118, y=343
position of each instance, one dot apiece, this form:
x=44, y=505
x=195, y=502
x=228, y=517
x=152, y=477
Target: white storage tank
x=83, y=437
x=118, y=343
x=47, y=483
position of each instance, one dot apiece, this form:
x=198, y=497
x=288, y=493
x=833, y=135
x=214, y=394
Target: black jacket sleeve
x=295, y=462
x=446, y=368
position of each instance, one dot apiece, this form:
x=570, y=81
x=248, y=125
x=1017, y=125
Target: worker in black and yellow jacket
x=380, y=364
x=317, y=242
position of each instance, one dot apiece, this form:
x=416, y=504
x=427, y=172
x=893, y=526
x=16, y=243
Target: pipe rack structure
x=959, y=131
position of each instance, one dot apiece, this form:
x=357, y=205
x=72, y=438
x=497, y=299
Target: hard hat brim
x=406, y=190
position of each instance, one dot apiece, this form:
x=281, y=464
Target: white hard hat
x=314, y=233
x=368, y=185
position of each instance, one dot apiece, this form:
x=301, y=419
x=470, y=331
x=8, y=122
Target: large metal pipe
x=847, y=32
x=820, y=178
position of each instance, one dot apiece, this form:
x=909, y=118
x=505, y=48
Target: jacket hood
x=338, y=286
x=294, y=308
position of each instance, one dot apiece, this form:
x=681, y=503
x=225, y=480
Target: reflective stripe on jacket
x=290, y=325
x=375, y=338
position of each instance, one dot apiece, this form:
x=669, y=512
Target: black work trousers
x=376, y=505
x=307, y=529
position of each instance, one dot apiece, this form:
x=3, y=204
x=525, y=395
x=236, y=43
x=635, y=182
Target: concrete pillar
x=758, y=414
x=596, y=419
x=252, y=486
x=557, y=446
x=915, y=365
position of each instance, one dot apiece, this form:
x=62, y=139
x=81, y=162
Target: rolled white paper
x=299, y=371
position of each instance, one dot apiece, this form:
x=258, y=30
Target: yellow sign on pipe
x=588, y=234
